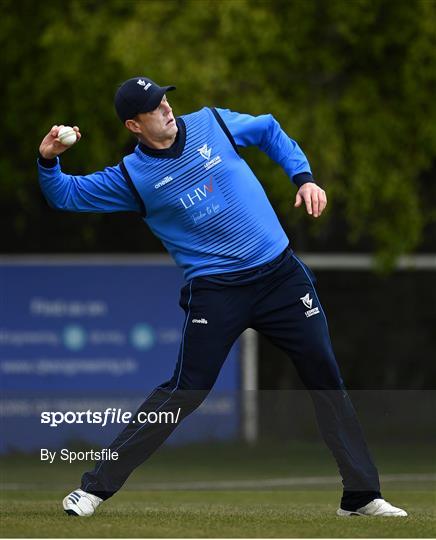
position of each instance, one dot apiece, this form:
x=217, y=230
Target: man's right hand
x=51, y=146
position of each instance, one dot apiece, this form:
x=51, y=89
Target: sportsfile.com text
x=109, y=416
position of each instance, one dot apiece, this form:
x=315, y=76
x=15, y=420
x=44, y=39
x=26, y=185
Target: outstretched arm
x=103, y=191
x=265, y=132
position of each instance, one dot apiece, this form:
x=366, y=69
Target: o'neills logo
x=199, y=321
x=163, y=182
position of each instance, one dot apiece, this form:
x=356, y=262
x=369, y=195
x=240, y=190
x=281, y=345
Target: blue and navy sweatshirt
x=199, y=197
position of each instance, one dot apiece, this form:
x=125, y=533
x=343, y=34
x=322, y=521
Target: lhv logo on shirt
x=205, y=152
x=203, y=201
x=197, y=195
x=307, y=301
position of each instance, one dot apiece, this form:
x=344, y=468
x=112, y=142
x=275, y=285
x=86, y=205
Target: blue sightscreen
x=90, y=336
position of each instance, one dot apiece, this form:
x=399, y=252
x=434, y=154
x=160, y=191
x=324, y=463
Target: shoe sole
x=347, y=513
x=71, y=513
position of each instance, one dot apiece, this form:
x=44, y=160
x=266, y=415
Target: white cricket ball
x=67, y=135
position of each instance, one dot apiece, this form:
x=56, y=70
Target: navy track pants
x=278, y=300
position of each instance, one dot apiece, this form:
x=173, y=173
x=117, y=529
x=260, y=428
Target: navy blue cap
x=138, y=95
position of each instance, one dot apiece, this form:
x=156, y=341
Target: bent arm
x=103, y=191
x=265, y=132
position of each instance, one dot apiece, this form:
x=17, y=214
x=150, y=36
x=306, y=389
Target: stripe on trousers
x=178, y=378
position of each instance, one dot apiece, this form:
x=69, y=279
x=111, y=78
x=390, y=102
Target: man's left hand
x=314, y=198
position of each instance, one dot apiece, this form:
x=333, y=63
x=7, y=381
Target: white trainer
x=377, y=507
x=80, y=503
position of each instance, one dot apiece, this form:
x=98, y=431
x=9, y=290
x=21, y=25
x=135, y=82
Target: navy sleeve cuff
x=47, y=163
x=302, y=178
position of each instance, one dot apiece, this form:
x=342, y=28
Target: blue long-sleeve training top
x=199, y=197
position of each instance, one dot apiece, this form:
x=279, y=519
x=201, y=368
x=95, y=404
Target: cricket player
x=201, y=199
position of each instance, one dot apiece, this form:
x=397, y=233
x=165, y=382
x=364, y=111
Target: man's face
x=155, y=126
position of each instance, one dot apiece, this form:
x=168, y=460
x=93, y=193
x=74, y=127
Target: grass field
x=165, y=499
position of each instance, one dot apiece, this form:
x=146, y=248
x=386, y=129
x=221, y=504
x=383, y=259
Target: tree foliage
x=352, y=81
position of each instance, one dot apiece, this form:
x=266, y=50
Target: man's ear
x=132, y=125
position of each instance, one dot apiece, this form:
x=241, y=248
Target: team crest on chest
x=206, y=152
